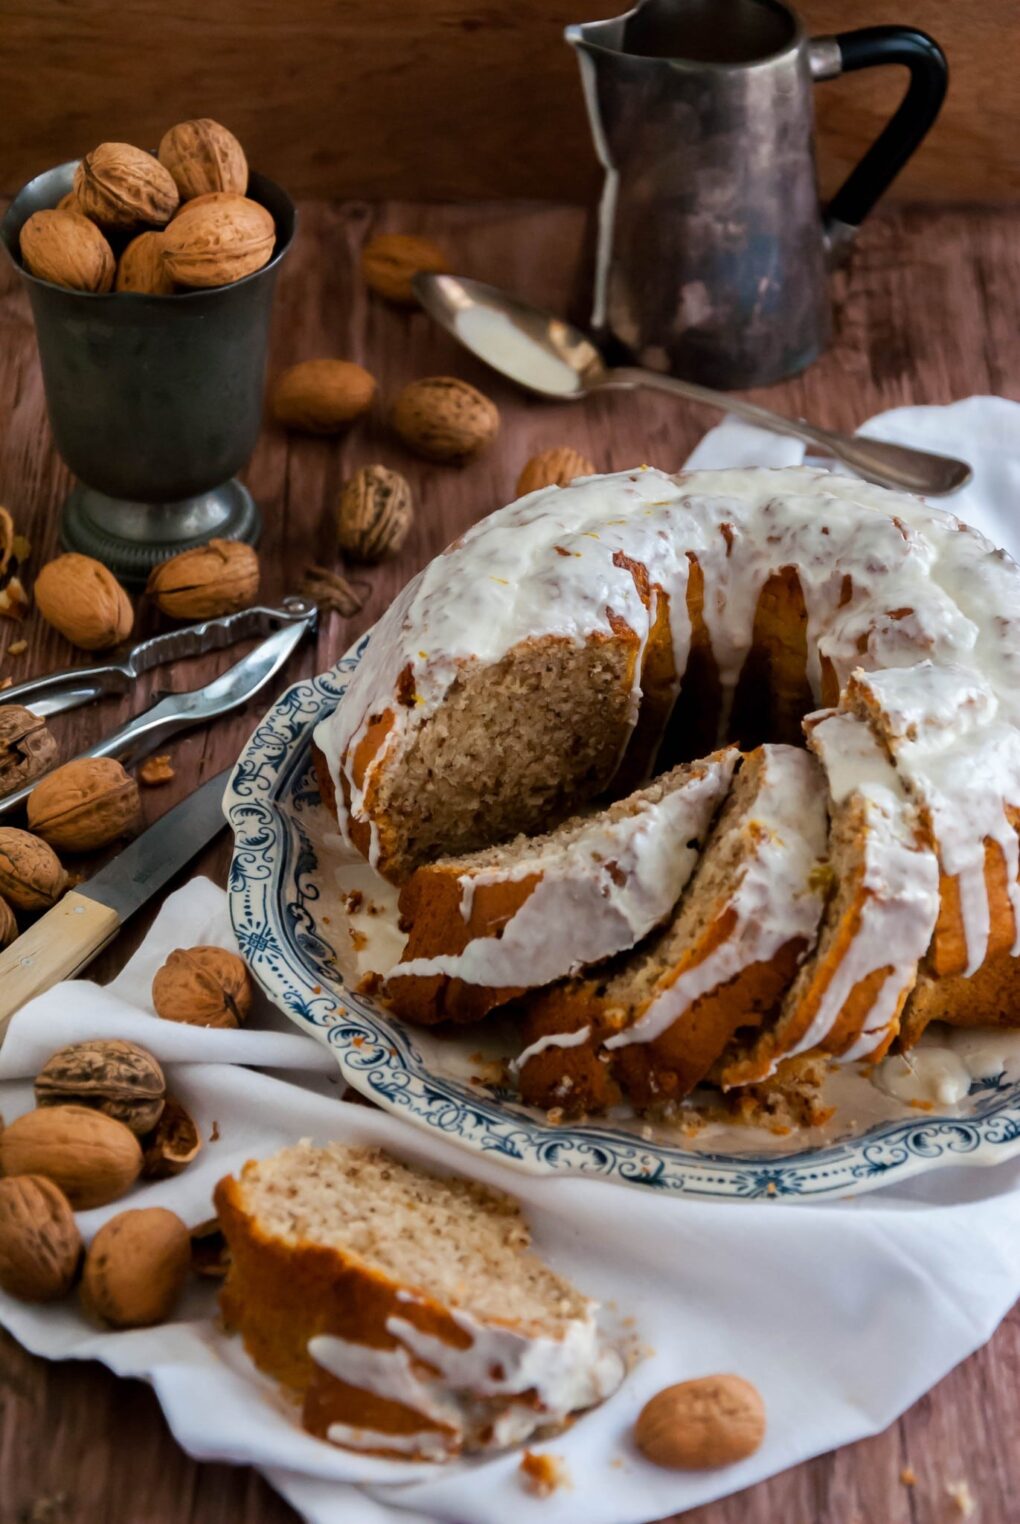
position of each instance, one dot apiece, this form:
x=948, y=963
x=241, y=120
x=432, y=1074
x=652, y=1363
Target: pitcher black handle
x=902, y=134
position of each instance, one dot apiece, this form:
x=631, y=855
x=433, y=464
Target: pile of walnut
x=91, y=802
x=441, y=418
x=103, y=1122
x=177, y=220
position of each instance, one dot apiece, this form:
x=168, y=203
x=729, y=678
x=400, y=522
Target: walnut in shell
x=553, y=468
x=141, y=267
x=82, y=599
x=203, y=157
x=322, y=396
x=110, y=1075
x=120, y=186
x=698, y=1425
x=31, y=875
x=40, y=1246
x=173, y=1144
x=390, y=260
x=445, y=419
x=67, y=249
x=8, y=925
x=375, y=514
x=27, y=747
x=14, y=551
x=209, y=580
x=85, y=805
x=92, y=1158
x=136, y=1268
x=206, y=986
x=219, y=242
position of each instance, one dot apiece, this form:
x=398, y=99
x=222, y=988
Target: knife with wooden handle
x=79, y=926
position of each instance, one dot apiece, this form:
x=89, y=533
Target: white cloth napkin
x=842, y=1314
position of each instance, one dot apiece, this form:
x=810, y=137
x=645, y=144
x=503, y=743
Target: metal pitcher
x=713, y=246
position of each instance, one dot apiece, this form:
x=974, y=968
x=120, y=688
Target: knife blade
x=80, y=925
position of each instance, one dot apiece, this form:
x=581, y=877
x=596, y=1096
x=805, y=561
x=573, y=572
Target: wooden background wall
x=443, y=99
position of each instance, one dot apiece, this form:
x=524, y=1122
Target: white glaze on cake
x=900, y=882
x=778, y=897
x=540, y=1378
x=599, y=893
x=961, y=762
x=550, y=1040
x=893, y=588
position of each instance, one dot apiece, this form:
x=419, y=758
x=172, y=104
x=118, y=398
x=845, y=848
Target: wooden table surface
x=929, y=312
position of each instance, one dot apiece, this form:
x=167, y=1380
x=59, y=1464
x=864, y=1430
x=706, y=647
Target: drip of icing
x=961, y=762
x=598, y=894
x=425, y=1444
x=452, y=1387
x=774, y=902
x=900, y=883
x=550, y=1040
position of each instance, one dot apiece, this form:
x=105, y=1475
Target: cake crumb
x=359, y=941
x=542, y=1474
x=354, y=901
x=214, y=1136
x=16, y=647
x=963, y=1498
x=908, y=1476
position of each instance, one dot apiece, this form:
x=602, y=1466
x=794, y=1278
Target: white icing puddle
x=935, y=1078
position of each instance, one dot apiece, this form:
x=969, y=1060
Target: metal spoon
x=554, y=359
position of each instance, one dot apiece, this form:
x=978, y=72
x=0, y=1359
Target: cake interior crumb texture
x=454, y=1240
x=515, y=747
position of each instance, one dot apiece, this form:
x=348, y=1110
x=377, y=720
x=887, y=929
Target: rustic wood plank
x=928, y=312
x=447, y=100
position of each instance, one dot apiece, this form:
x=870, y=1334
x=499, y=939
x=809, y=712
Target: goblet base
x=131, y=538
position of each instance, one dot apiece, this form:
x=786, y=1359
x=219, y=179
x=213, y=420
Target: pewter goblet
x=154, y=401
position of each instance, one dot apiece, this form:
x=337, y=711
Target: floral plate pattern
x=276, y=909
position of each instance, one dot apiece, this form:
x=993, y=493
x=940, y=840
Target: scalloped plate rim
x=377, y=1056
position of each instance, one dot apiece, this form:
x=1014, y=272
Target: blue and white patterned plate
x=280, y=899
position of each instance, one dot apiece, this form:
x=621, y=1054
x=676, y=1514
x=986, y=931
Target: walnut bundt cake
x=574, y=643
x=406, y=1312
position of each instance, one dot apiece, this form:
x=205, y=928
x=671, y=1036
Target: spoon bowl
x=551, y=358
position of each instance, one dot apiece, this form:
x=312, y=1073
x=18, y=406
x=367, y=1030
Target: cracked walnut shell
x=85, y=805
x=173, y=1145
x=120, y=186
x=206, y=986
x=40, y=1246
x=31, y=875
x=110, y=1075
x=218, y=578
x=203, y=157
x=27, y=747
x=82, y=599
x=375, y=514
x=67, y=249
x=445, y=419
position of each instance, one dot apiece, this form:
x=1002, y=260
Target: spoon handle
x=890, y=465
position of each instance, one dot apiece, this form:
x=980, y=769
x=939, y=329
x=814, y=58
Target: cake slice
x=485, y=927
x=653, y=1023
x=406, y=1311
